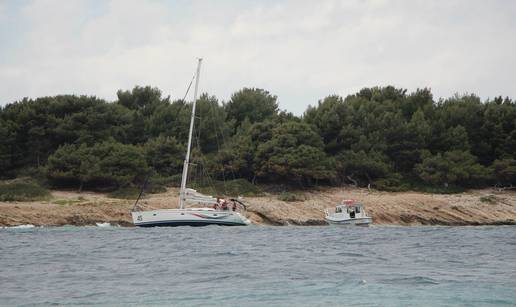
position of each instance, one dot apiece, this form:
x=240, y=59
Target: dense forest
x=382, y=137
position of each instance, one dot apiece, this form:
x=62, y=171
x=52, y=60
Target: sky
x=301, y=51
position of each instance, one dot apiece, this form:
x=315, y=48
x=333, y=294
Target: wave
x=348, y=254
x=103, y=225
x=26, y=226
x=416, y=280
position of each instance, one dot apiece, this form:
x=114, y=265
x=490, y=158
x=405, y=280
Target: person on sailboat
x=223, y=204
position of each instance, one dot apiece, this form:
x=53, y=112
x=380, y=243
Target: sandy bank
x=479, y=207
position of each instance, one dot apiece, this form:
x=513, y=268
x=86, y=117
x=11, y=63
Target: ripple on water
x=415, y=280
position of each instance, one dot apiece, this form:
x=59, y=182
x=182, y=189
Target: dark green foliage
x=362, y=168
x=253, y=104
x=293, y=153
x=452, y=167
x=7, y=146
x=381, y=136
x=237, y=157
x=237, y=187
x=34, y=129
x=329, y=118
x=504, y=171
x=165, y=155
x=108, y=165
x=145, y=99
x=393, y=184
x=211, y=128
x=22, y=190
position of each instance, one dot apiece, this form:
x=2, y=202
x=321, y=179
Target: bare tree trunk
x=352, y=180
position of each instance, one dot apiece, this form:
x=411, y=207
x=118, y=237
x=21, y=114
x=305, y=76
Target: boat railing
x=329, y=211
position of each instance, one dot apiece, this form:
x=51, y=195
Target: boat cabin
x=350, y=208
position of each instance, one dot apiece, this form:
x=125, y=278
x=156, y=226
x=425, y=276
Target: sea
x=258, y=266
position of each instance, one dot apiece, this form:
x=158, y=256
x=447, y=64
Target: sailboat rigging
x=219, y=214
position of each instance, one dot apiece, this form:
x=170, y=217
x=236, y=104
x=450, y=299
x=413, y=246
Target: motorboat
x=348, y=212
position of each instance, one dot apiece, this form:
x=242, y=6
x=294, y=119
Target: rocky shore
x=477, y=207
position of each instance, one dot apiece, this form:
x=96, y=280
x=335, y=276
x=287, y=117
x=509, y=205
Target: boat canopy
x=354, y=205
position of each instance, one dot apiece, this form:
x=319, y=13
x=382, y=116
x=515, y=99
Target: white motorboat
x=218, y=214
x=348, y=213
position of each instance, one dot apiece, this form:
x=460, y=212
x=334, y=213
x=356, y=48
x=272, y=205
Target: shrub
x=289, y=196
x=491, y=199
x=19, y=190
x=390, y=185
x=106, y=165
x=453, y=168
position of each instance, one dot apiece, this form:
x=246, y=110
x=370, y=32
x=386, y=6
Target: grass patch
x=289, y=196
x=22, y=190
x=490, y=199
x=64, y=202
x=237, y=187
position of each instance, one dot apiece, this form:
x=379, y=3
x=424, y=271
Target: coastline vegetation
x=22, y=189
x=291, y=196
x=380, y=137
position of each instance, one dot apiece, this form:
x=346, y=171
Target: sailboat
x=218, y=214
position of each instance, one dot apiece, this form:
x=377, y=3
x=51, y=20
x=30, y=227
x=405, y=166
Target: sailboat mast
x=182, y=196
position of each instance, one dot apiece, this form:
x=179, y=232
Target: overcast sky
x=300, y=51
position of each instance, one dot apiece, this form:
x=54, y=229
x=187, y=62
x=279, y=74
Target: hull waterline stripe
x=189, y=223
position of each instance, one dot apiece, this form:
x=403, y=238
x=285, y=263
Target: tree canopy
x=379, y=136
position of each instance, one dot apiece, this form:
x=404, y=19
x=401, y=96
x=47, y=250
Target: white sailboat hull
x=188, y=217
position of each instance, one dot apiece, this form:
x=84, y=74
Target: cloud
x=298, y=50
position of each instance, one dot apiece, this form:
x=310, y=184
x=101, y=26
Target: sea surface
x=258, y=266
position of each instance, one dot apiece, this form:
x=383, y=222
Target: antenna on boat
x=182, y=196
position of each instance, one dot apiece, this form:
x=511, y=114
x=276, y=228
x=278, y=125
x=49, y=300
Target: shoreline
x=472, y=208
x=108, y=225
